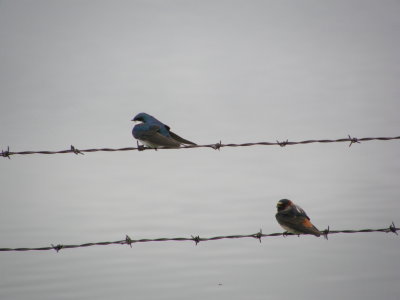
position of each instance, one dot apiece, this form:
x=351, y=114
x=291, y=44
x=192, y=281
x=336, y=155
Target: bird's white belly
x=290, y=230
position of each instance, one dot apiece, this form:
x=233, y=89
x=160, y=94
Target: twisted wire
x=197, y=239
x=217, y=146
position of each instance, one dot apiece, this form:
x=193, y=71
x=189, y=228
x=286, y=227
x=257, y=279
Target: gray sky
x=76, y=72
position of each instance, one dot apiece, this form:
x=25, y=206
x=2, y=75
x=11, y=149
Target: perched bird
x=294, y=219
x=154, y=134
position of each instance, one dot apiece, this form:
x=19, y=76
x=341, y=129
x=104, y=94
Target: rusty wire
x=217, y=146
x=196, y=239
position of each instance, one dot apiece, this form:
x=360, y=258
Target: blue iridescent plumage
x=154, y=133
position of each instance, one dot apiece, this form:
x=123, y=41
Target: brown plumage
x=294, y=219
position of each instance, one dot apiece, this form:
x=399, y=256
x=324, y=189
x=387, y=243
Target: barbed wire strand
x=7, y=153
x=197, y=239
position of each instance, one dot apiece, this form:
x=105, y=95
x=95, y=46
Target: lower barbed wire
x=197, y=239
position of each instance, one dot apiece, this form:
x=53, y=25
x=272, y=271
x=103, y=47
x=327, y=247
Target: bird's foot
x=140, y=147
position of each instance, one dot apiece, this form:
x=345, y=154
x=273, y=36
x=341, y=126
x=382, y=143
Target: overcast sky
x=77, y=72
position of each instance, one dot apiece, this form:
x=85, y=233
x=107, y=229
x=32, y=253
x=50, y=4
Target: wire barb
x=326, y=232
x=353, y=140
x=6, y=153
x=196, y=239
x=259, y=235
x=57, y=247
x=76, y=151
x=217, y=146
x=128, y=240
x=393, y=228
x=282, y=144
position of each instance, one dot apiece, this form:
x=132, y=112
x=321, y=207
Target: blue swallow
x=154, y=133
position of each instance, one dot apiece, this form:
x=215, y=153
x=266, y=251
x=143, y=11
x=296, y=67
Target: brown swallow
x=294, y=219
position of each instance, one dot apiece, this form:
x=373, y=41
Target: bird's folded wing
x=155, y=138
x=301, y=224
x=180, y=140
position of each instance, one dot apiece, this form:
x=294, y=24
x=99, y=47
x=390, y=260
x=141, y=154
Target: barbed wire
x=197, y=239
x=217, y=146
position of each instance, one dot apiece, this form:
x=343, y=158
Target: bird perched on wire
x=154, y=133
x=294, y=219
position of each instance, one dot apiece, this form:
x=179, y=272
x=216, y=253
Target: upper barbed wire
x=217, y=146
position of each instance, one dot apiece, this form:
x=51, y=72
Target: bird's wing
x=299, y=212
x=298, y=223
x=180, y=140
x=156, y=139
